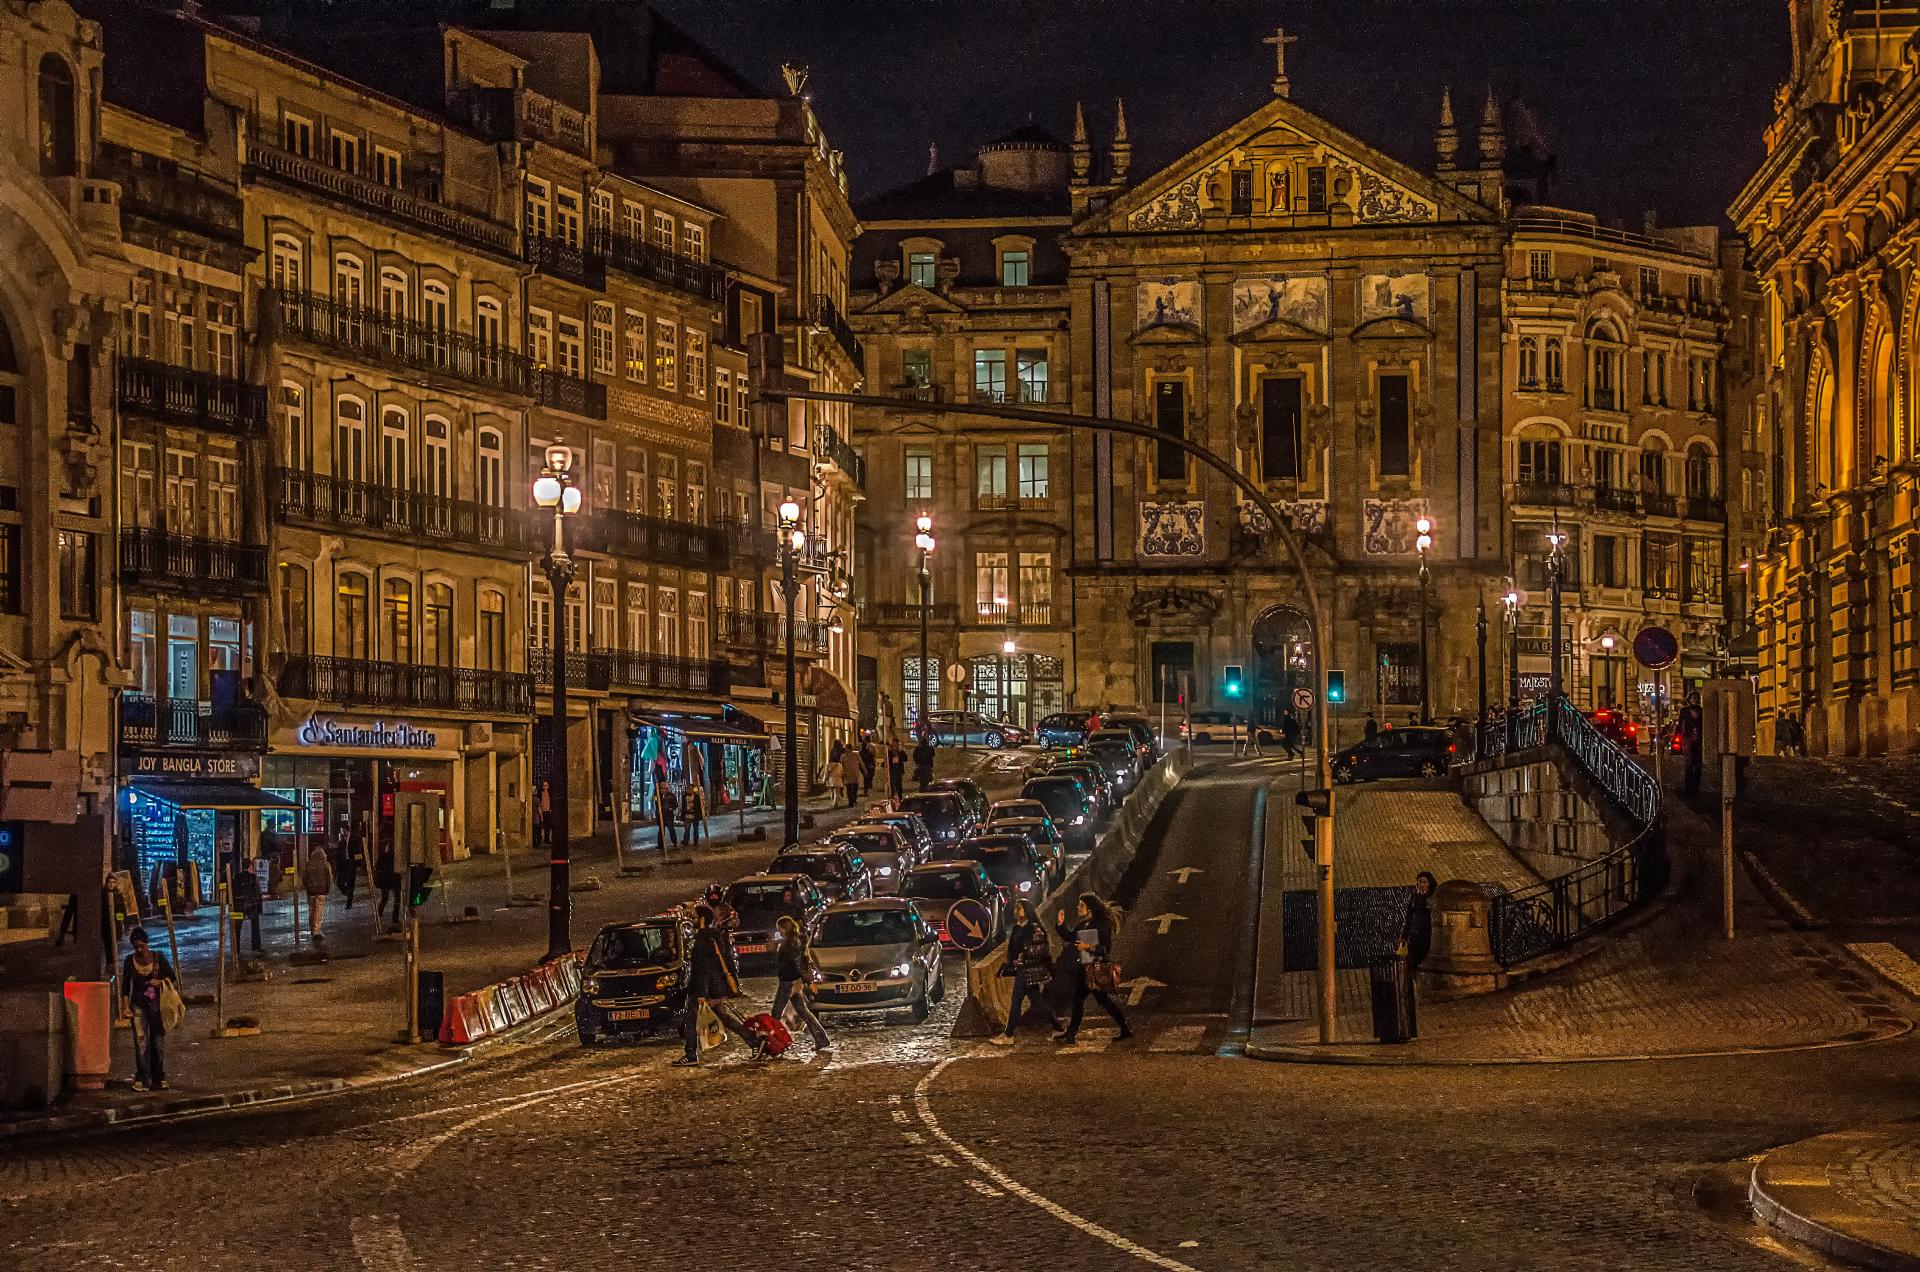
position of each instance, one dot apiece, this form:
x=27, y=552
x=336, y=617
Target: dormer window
x=1240, y=197
x=920, y=268
x=1014, y=269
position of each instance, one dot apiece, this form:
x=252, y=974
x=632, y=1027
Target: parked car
x=759, y=900
x=1118, y=755
x=967, y=789
x=935, y=886
x=912, y=827
x=634, y=980
x=1014, y=865
x=1205, y=728
x=1063, y=728
x=1093, y=776
x=875, y=955
x=953, y=728
x=1044, y=836
x=839, y=871
x=1005, y=809
x=946, y=814
x=1615, y=725
x=1142, y=728
x=1413, y=750
x=887, y=850
x=1068, y=803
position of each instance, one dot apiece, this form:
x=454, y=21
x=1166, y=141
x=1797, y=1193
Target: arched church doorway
x=1284, y=659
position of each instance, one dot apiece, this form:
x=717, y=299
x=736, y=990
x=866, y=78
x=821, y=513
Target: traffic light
x=1313, y=804
x=419, y=885
x=1336, y=686
x=1233, y=686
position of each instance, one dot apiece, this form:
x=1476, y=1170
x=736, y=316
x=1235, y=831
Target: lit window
x=920, y=268
x=1013, y=269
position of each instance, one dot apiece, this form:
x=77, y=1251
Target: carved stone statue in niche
x=946, y=272
x=886, y=273
x=1277, y=196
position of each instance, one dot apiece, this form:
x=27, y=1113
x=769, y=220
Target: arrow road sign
x=1167, y=920
x=969, y=925
x=1140, y=985
x=1186, y=872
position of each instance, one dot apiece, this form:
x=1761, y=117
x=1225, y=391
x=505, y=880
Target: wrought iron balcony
x=335, y=503
x=159, y=559
x=267, y=155
x=836, y=450
x=558, y=258
x=584, y=671
x=146, y=721
x=649, y=538
x=941, y=614
x=1613, y=499
x=562, y=392
x=661, y=265
x=746, y=541
x=364, y=683
x=1659, y=504
x=628, y=669
x=387, y=341
x=827, y=315
x=764, y=631
x=1545, y=494
x=193, y=399
x=1706, y=508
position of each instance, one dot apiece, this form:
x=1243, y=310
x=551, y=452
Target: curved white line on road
x=1026, y=1194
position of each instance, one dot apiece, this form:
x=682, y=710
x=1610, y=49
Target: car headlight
x=1027, y=886
x=905, y=969
x=886, y=872
x=591, y=985
x=1081, y=818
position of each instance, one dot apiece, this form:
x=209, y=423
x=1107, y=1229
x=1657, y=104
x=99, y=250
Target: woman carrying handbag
x=153, y=999
x=1095, y=972
x=1029, y=962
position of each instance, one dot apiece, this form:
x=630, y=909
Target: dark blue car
x=635, y=979
x=1063, y=728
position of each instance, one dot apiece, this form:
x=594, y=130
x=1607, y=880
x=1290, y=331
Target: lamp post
x=1512, y=601
x=1423, y=529
x=554, y=489
x=1006, y=675
x=792, y=539
x=1480, y=661
x=1607, y=642
x=1555, y=563
x=923, y=540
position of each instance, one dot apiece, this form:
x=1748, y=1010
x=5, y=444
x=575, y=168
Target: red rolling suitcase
x=772, y=1036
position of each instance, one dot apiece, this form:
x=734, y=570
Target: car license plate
x=857, y=987
x=630, y=1013
x=750, y=949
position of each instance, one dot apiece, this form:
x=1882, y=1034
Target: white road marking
x=1891, y=962
x=1799, y=911
x=1189, y=1245
x=1167, y=920
x=1138, y=986
x=1185, y=872
x=894, y=1098
x=984, y=1188
x=940, y=1159
x=1026, y=1194
x=381, y=1245
x=410, y=1157
x=1179, y=1038
x=914, y=1137
x=900, y=1115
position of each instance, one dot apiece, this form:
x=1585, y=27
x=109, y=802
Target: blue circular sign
x=1655, y=647
x=969, y=925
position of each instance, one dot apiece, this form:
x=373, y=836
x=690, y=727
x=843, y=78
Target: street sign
x=957, y=673
x=1655, y=647
x=969, y=925
x=1303, y=698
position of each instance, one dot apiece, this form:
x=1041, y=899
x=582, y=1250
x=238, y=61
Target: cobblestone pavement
x=1852, y=1194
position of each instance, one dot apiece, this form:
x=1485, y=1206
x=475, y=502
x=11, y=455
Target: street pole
x=1729, y=776
x=554, y=489
x=1480, y=662
x=923, y=540
x=1554, y=682
x=790, y=590
x=1423, y=529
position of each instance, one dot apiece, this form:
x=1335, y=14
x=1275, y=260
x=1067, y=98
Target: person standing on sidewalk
x=316, y=877
x=666, y=812
x=896, y=771
x=794, y=966
x=851, y=774
x=246, y=903
x=923, y=751
x=1692, y=740
x=710, y=984
x=694, y=809
x=346, y=866
x=1092, y=936
x=867, y=764
x=1029, y=962
x=142, y=975
x=1416, y=930
x=387, y=878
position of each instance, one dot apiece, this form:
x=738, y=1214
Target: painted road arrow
x=1167, y=920
x=1138, y=986
x=1185, y=872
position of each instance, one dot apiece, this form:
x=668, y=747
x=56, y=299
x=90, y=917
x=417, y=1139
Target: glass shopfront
x=367, y=802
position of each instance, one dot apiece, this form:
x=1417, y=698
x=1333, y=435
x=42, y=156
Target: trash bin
x=90, y=1026
x=433, y=1002
x=1392, y=983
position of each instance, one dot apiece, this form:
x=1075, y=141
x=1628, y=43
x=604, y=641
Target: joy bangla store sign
x=377, y=735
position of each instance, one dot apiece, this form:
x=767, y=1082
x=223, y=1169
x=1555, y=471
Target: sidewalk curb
x=1312, y=1053
x=1790, y=1192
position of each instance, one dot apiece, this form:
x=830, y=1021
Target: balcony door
x=139, y=509
x=396, y=463
x=183, y=658
x=436, y=477
x=183, y=492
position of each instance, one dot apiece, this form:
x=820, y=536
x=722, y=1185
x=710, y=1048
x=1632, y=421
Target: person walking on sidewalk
x=868, y=765
x=1290, y=735
x=1416, y=929
x=1692, y=727
x=346, y=866
x=317, y=878
x=143, y=975
x=246, y=903
x=1096, y=974
x=694, y=809
x=710, y=984
x=896, y=771
x=1371, y=729
x=923, y=760
x=1029, y=962
x=387, y=878
x=852, y=772
x=794, y=966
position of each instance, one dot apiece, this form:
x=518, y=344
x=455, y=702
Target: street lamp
x=792, y=539
x=1607, y=641
x=1423, y=528
x=1006, y=673
x=554, y=489
x=1512, y=601
x=1555, y=564
x=923, y=540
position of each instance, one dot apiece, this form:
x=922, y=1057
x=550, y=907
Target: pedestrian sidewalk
x=1853, y=1195
x=1664, y=983
x=337, y=1023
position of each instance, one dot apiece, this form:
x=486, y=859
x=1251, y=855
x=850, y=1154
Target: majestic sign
x=378, y=735
x=161, y=764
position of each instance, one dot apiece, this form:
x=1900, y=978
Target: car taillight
x=1451, y=748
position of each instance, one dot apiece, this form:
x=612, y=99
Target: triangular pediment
x=913, y=299
x=1277, y=330
x=1168, y=333
x=1279, y=146
x=1392, y=329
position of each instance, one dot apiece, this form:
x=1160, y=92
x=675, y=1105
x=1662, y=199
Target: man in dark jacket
x=711, y=982
x=923, y=761
x=1692, y=726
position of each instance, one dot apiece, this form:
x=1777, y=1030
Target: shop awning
x=224, y=796
x=829, y=695
x=703, y=727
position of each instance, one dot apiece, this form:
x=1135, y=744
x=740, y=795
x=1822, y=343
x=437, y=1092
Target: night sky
x=1647, y=103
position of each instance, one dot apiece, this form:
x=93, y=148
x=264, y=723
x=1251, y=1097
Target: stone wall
x=1547, y=823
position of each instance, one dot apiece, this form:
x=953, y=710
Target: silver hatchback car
x=876, y=955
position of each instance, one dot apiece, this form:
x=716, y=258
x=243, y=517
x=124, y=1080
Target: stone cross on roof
x=1280, y=39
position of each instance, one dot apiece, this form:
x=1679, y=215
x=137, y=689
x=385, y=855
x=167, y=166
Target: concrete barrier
x=989, y=994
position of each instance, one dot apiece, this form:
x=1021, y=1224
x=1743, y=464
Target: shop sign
x=161, y=764
x=378, y=735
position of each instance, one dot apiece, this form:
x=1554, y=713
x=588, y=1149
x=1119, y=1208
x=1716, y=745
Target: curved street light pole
x=791, y=537
x=767, y=388
x=554, y=489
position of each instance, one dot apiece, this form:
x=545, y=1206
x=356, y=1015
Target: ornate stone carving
x=1381, y=203
x=1308, y=516
x=1161, y=602
x=1177, y=209
x=1388, y=525
x=1173, y=528
x=886, y=272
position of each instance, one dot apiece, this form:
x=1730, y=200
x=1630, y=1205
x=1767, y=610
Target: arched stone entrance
x=1284, y=659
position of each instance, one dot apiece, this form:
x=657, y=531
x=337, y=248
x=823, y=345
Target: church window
x=1316, y=190
x=1170, y=417
x=1395, y=421
x=920, y=268
x=1280, y=402
x=1242, y=193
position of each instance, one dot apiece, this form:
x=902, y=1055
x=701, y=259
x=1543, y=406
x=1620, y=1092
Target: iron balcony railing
x=661, y=265
x=364, y=683
x=746, y=541
x=941, y=614
x=336, y=503
x=1658, y=504
x=651, y=538
x=764, y=631
x=1615, y=499
x=834, y=448
x=1706, y=508
x=827, y=315
x=630, y=669
x=564, y=392
x=194, y=399
x=584, y=670
x=182, y=722
x=388, y=341
x=155, y=557
x=557, y=258
x=1545, y=494
x=267, y=154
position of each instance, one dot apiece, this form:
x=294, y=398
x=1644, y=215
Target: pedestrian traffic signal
x=1314, y=804
x=1233, y=686
x=419, y=885
x=1336, y=686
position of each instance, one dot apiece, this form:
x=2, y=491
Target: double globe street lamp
x=1423, y=542
x=553, y=490
x=792, y=539
x=923, y=540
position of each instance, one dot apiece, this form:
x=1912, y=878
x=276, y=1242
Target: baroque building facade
x=1829, y=221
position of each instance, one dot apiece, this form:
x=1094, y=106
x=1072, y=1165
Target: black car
x=935, y=886
x=635, y=979
x=1142, y=729
x=946, y=813
x=837, y=868
x=1093, y=776
x=911, y=827
x=969, y=790
x=1063, y=728
x=759, y=900
x=1412, y=751
x=1041, y=833
x=1013, y=864
x=1118, y=756
x=1068, y=802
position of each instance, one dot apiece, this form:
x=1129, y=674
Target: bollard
x=1461, y=959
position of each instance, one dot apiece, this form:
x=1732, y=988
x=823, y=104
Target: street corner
x=1852, y=1195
